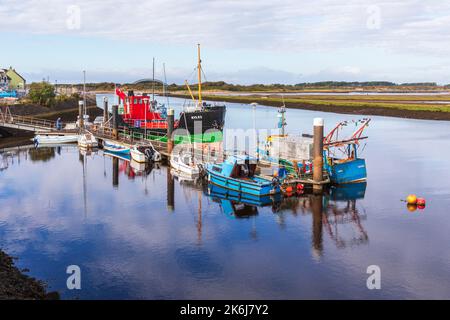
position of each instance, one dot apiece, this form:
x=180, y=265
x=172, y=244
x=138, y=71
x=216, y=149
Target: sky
x=242, y=41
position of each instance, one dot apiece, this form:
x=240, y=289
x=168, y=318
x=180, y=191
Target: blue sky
x=248, y=41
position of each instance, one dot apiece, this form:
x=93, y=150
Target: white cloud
x=270, y=25
x=404, y=27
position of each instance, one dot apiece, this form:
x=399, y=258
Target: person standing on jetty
x=58, y=124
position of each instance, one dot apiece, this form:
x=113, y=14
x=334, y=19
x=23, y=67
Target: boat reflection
x=130, y=168
x=334, y=211
x=238, y=204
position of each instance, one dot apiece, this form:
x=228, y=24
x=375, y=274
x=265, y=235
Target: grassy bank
x=394, y=106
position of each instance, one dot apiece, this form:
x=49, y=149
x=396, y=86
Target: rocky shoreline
x=15, y=285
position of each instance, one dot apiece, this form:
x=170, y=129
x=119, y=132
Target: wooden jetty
x=164, y=144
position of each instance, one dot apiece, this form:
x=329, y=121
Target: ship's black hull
x=194, y=122
x=200, y=121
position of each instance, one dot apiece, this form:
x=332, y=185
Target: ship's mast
x=199, y=67
x=153, y=80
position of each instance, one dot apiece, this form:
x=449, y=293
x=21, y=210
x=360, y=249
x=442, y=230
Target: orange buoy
x=411, y=199
x=411, y=207
x=289, y=189
x=421, y=202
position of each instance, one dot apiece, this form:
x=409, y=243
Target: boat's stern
x=348, y=172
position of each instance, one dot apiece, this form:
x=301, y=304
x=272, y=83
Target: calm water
x=150, y=235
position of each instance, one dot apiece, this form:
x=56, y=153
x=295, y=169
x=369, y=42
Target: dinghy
x=54, y=138
x=144, y=153
x=185, y=163
x=115, y=147
x=87, y=141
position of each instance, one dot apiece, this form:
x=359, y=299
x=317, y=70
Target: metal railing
x=7, y=117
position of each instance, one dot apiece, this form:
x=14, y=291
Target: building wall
x=16, y=82
x=4, y=81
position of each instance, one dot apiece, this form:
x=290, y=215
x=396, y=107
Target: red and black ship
x=143, y=113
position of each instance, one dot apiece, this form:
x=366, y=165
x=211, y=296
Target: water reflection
x=337, y=206
x=42, y=154
x=217, y=246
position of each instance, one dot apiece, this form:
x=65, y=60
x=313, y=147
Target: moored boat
x=349, y=168
x=142, y=113
x=144, y=153
x=185, y=163
x=55, y=138
x=237, y=173
x=87, y=141
x=115, y=147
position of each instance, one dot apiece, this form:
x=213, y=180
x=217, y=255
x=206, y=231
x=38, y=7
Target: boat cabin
x=237, y=167
x=137, y=107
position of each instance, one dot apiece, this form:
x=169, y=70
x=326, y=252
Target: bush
x=42, y=93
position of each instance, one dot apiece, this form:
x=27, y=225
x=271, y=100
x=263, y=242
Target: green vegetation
x=300, y=87
x=330, y=104
x=42, y=93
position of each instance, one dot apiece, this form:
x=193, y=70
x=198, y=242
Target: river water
x=150, y=235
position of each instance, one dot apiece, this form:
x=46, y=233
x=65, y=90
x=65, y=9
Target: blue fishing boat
x=115, y=147
x=349, y=168
x=237, y=173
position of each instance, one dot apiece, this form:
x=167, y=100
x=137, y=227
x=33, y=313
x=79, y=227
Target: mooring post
x=318, y=155
x=80, y=114
x=170, y=127
x=105, y=109
x=115, y=124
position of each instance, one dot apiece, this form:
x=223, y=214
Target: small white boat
x=54, y=138
x=114, y=147
x=185, y=163
x=144, y=153
x=87, y=140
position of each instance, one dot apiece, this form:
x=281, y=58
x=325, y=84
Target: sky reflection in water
x=132, y=242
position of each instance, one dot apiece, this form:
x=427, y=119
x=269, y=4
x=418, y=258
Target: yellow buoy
x=411, y=199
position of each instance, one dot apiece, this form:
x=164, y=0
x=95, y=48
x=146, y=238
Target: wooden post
x=115, y=124
x=80, y=114
x=105, y=109
x=318, y=154
x=170, y=128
